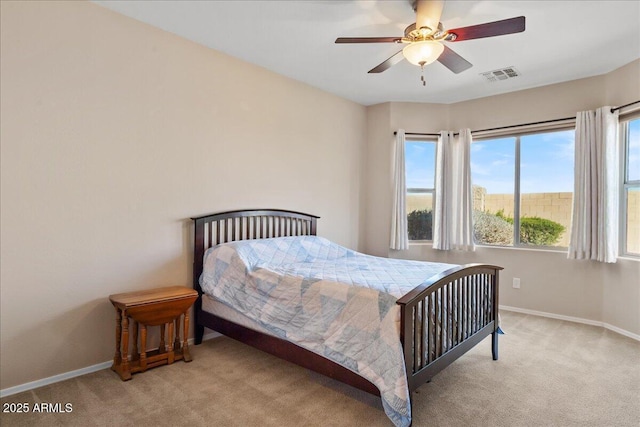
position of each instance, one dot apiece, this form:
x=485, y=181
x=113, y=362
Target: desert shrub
x=540, y=231
x=491, y=229
x=420, y=225
x=535, y=230
x=500, y=214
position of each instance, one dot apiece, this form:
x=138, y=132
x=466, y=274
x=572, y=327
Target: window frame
x=419, y=190
x=506, y=133
x=625, y=183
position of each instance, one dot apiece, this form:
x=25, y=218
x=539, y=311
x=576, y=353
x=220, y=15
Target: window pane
x=546, y=188
x=419, y=216
x=493, y=174
x=420, y=160
x=633, y=153
x=633, y=220
x=420, y=164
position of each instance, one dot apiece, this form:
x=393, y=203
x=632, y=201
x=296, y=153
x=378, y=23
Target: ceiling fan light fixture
x=423, y=52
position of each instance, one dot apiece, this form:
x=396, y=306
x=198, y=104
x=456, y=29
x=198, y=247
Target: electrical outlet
x=516, y=283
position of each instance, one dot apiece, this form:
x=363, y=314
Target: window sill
x=420, y=242
x=525, y=249
x=559, y=250
x=516, y=248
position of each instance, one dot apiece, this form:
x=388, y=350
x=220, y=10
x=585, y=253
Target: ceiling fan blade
x=393, y=60
x=369, y=40
x=428, y=13
x=490, y=29
x=453, y=61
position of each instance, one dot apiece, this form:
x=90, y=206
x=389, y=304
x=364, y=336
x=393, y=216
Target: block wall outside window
x=633, y=222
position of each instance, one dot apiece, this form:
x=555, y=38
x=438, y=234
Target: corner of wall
x=376, y=184
x=622, y=85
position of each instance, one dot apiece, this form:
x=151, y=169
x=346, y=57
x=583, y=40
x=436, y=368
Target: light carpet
x=550, y=373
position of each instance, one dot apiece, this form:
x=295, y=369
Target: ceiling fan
x=424, y=38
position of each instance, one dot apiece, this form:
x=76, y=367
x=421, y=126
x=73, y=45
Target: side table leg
x=176, y=343
x=171, y=355
x=143, y=347
x=134, y=333
x=117, y=359
x=125, y=372
x=185, y=344
x=162, y=347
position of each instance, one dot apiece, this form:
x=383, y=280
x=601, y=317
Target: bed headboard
x=231, y=226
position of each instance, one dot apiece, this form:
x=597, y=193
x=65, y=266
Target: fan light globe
x=423, y=53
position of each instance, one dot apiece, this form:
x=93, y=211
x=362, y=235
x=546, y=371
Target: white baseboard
x=54, y=379
x=621, y=331
x=78, y=372
x=208, y=336
x=572, y=319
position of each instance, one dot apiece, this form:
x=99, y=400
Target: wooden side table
x=155, y=307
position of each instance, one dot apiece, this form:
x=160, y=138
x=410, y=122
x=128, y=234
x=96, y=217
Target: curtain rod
x=520, y=125
x=419, y=134
x=624, y=106
x=524, y=124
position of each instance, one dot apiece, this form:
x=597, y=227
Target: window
x=523, y=189
x=420, y=169
x=630, y=200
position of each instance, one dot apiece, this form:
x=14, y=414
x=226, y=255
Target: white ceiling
x=563, y=40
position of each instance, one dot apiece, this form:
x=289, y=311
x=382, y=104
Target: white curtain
x=594, y=227
x=453, y=210
x=399, y=232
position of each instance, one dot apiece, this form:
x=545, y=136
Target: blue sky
x=546, y=162
x=634, y=150
x=420, y=164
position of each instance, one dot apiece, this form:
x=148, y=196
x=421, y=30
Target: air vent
x=501, y=74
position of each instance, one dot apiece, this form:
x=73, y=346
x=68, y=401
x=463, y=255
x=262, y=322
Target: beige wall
x=623, y=84
x=550, y=283
x=115, y=133
x=377, y=191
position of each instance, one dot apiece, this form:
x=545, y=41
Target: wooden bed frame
x=468, y=293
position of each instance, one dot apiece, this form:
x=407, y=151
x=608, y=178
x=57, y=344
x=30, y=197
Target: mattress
x=213, y=306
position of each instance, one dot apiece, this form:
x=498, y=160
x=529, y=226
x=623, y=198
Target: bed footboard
x=444, y=318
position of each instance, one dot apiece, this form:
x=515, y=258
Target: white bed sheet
x=213, y=306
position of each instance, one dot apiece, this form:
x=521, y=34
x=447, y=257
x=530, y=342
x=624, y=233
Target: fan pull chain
x=424, y=82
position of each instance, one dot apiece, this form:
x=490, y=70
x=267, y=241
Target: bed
x=431, y=322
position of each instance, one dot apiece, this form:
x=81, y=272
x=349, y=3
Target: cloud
x=416, y=147
x=565, y=150
x=476, y=148
x=477, y=169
